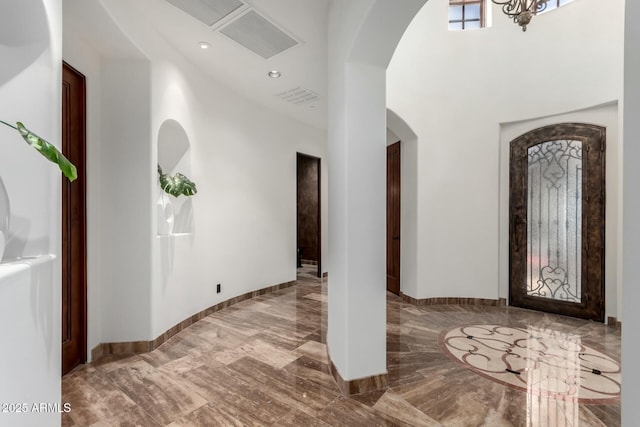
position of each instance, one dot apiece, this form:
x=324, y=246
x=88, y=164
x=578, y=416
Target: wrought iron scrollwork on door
x=554, y=213
x=557, y=220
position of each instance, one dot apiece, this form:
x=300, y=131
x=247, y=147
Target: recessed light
x=274, y=74
x=204, y=45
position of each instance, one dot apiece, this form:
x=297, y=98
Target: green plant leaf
x=177, y=185
x=49, y=151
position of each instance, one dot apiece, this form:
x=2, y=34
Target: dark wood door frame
x=318, y=161
x=74, y=222
x=592, y=305
x=394, y=163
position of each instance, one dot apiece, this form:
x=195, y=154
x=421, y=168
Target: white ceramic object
x=2, y=244
x=166, y=216
x=5, y=214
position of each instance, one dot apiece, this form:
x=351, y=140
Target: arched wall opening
x=175, y=214
x=409, y=202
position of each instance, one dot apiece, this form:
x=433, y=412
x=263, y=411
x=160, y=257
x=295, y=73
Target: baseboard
x=139, y=347
x=360, y=385
x=454, y=300
x=614, y=322
x=325, y=274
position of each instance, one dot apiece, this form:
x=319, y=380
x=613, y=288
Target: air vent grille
x=257, y=34
x=208, y=11
x=299, y=96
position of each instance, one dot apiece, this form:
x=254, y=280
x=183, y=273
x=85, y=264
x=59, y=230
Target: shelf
x=14, y=266
x=174, y=235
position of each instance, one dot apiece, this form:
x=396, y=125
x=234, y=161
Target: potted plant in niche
x=175, y=185
x=51, y=153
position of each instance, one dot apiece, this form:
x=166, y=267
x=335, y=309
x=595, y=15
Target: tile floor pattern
x=263, y=362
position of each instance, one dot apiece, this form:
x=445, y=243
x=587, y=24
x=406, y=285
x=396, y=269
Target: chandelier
x=521, y=11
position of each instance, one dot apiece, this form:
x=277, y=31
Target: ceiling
x=300, y=92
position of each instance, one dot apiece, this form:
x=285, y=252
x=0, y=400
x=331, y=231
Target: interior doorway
x=557, y=220
x=74, y=271
x=393, y=218
x=309, y=241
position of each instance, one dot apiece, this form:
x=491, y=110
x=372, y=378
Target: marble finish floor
x=308, y=271
x=539, y=361
x=263, y=362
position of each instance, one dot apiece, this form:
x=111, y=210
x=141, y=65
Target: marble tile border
x=139, y=347
x=360, y=385
x=308, y=262
x=501, y=302
x=614, y=322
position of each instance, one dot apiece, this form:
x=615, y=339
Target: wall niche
x=24, y=36
x=174, y=214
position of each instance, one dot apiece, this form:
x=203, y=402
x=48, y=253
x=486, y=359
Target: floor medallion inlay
x=540, y=361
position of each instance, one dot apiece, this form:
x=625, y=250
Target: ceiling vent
x=208, y=11
x=299, y=96
x=259, y=35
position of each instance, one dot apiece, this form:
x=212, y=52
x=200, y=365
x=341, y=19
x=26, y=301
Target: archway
x=362, y=38
x=409, y=205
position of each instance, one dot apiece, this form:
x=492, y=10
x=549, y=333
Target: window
x=554, y=4
x=467, y=14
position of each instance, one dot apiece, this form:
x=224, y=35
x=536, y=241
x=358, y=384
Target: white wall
x=242, y=158
x=631, y=226
x=30, y=91
x=454, y=89
x=126, y=192
x=243, y=161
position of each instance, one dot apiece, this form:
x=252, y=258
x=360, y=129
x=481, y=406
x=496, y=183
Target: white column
x=362, y=37
x=631, y=218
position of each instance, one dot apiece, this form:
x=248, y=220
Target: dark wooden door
x=556, y=221
x=393, y=218
x=309, y=230
x=74, y=278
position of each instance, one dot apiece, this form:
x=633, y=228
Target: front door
x=556, y=220
x=74, y=299
x=393, y=218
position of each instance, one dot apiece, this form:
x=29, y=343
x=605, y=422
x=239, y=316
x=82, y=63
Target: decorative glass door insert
x=554, y=220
